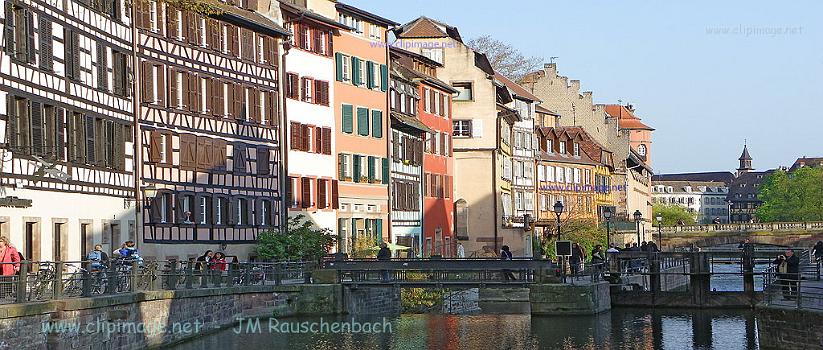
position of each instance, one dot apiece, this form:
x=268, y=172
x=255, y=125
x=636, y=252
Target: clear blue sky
x=704, y=92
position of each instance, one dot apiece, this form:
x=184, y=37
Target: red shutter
x=335, y=195
x=321, y=194
x=188, y=146
x=305, y=137
x=238, y=98
x=295, y=136
x=326, y=141
x=156, y=142
x=219, y=159
x=318, y=140
x=306, y=192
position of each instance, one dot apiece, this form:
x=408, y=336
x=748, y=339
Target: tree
x=584, y=232
x=673, y=214
x=301, y=242
x=504, y=58
x=792, y=197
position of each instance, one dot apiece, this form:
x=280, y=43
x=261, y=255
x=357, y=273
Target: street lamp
x=558, y=210
x=660, y=230
x=637, y=217
x=607, y=214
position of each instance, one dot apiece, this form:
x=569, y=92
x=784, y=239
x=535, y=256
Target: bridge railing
x=803, y=290
x=746, y=227
x=47, y=280
x=439, y=272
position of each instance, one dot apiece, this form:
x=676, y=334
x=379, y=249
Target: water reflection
x=618, y=329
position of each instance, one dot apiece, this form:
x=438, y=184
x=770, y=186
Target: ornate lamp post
x=660, y=230
x=558, y=210
x=637, y=217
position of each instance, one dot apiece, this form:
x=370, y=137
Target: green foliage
x=203, y=7
x=364, y=247
x=792, y=197
x=673, y=214
x=584, y=232
x=301, y=242
x=420, y=300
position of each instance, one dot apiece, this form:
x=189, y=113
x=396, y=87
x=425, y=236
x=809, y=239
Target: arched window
x=641, y=150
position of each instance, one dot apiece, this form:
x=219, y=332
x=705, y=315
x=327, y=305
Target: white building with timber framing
x=66, y=124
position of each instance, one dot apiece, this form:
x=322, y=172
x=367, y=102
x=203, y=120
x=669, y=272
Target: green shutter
x=384, y=77
x=369, y=228
x=355, y=71
x=377, y=124
x=340, y=165
x=370, y=74
x=385, y=171
x=354, y=230
x=372, y=160
x=348, y=122
x=356, y=174
x=378, y=229
x=338, y=58
x=363, y=121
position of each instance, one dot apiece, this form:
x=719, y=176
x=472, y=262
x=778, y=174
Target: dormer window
x=576, y=149
x=562, y=147
x=641, y=150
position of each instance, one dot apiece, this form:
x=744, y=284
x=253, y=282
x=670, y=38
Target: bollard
x=57, y=286
x=87, y=279
x=113, y=280
x=25, y=267
x=171, y=280
x=189, y=275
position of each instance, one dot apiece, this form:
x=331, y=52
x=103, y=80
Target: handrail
x=746, y=227
x=42, y=281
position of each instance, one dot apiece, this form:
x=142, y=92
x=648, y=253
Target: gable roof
x=804, y=162
x=365, y=14
x=746, y=185
x=518, y=90
x=311, y=15
x=424, y=27
x=626, y=118
x=544, y=110
x=248, y=19
x=717, y=176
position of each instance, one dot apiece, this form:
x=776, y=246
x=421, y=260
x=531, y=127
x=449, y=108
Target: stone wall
x=564, y=299
x=152, y=319
x=372, y=301
x=786, y=328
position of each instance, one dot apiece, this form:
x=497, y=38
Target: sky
x=707, y=75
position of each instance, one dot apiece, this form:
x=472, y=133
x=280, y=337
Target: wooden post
x=87, y=280
x=113, y=278
x=748, y=269
x=700, y=279
x=171, y=283
x=189, y=275
x=655, y=278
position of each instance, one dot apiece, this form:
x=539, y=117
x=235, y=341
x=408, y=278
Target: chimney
x=630, y=107
x=551, y=68
x=575, y=85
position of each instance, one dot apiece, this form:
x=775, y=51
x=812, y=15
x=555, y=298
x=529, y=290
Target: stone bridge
x=793, y=234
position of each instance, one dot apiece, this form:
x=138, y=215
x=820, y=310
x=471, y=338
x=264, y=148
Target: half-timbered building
x=66, y=126
x=209, y=117
x=407, y=135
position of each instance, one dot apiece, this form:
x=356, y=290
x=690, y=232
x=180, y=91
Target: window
x=120, y=73
x=562, y=147
x=292, y=86
x=576, y=149
x=462, y=128
x=346, y=67
x=464, y=91
x=641, y=150
x=204, y=210
x=19, y=32
x=435, y=54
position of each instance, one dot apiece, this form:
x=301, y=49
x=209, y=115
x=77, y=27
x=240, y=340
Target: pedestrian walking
x=577, y=259
x=9, y=266
x=506, y=254
x=384, y=255
x=817, y=251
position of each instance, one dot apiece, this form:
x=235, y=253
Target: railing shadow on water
x=44, y=281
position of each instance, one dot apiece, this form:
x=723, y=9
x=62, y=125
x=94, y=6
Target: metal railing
x=42, y=281
x=803, y=290
x=437, y=272
x=747, y=227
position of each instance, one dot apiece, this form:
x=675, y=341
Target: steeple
x=745, y=161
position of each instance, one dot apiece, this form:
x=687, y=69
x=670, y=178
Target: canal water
x=616, y=329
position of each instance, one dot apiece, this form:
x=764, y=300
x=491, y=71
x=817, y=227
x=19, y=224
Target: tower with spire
x=745, y=162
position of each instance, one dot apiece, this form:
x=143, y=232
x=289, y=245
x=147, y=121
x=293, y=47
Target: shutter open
x=355, y=71
x=8, y=29
x=174, y=102
x=194, y=92
x=172, y=24
x=30, y=47
x=37, y=129
x=60, y=134
x=372, y=169
x=318, y=140
x=322, y=201
x=219, y=153
x=385, y=171
x=335, y=195
x=46, y=43
x=238, y=99
x=147, y=80
x=384, y=77
x=341, y=166
x=326, y=140
x=305, y=137
x=306, y=192
x=338, y=59
x=356, y=173
x=161, y=85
